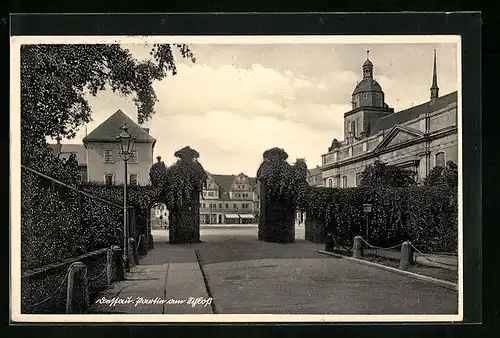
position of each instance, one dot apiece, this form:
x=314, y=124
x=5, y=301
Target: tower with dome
x=417, y=138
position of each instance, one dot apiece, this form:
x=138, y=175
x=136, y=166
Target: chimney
x=146, y=130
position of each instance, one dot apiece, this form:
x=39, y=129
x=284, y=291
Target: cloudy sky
x=236, y=101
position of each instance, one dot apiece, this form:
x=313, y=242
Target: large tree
x=56, y=80
x=381, y=174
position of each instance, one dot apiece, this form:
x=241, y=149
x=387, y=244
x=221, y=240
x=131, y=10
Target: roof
x=367, y=63
x=109, y=129
x=315, y=171
x=223, y=181
x=367, y=85
x=78, y=149
x=226, y=181
x=387, y=122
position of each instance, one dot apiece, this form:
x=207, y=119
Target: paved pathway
x=247, y=276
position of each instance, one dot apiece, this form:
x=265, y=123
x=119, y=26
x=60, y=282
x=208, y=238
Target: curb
x=439, y=282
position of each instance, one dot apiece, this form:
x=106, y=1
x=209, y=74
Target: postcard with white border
x=236, y=178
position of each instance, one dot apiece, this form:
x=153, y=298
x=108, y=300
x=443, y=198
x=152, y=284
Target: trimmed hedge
x=427, y=216
x=58, y=223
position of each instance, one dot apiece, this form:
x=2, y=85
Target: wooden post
x=109, y=266
x=357, y=248
x=329, y=243
x=406, y=256
x=142, y=250
x=135, y=252
x=118, y=269
x=132, y=252
x=77, y=297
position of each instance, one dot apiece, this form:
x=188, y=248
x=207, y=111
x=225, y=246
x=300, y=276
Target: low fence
x=406, y=253
x=69, y=286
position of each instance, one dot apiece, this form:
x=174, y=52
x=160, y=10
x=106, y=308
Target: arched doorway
x=159, y=222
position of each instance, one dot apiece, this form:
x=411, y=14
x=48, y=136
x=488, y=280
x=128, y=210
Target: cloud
x=229, y=143
x=238, y=101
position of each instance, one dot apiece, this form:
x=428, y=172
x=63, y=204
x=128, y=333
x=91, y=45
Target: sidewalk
x=166, y=281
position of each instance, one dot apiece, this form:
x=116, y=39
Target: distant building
x=229, y=199
x=159, y=216
x=314, y=177
x=416, y=138
x=99, y=157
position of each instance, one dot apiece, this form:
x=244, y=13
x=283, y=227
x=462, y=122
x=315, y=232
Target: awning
x=232, y=216
x=247, y=216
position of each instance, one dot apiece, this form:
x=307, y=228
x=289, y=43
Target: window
x=337, y=183
x=220, y=205
x=344, y=181
x=134, y=157
x=330, y=183
x=235, y=206
x=203, y=205
x=244, y=206
x=204, y=193
x=440, y=160
x=108, y=156
x=132, y=179
x=358, y=179
x=109, y=179
x=227, y=206
x=211, y=193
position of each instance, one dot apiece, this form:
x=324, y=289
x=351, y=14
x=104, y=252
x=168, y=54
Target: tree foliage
x=381, y=174
x=433, y=178
x=439, y=176
x=57, y=79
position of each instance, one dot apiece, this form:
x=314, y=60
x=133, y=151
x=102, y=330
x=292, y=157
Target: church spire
x=434, y=87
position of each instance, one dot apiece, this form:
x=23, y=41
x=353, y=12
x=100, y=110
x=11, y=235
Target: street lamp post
x=125, y=143
x=367, y=209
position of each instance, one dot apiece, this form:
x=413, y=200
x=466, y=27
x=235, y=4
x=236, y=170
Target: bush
x=427, y=216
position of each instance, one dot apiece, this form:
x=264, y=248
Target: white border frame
x=15, y=281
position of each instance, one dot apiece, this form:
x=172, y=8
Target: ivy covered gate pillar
x=179, y=187
x=184, y=221
x=281, y=187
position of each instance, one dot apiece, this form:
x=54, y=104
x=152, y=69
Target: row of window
x=245, y=194
x=439, y=161
x=109, y=179
x=336, y=183
x=108, y=157
x=226, y=205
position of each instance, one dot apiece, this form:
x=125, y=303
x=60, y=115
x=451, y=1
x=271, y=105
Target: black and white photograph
x=236, y=178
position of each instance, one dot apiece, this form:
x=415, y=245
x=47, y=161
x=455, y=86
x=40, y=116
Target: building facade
x=229, y=199
x=315, y=177
x=104, y=161
x=99, y=158
x=417, y=138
